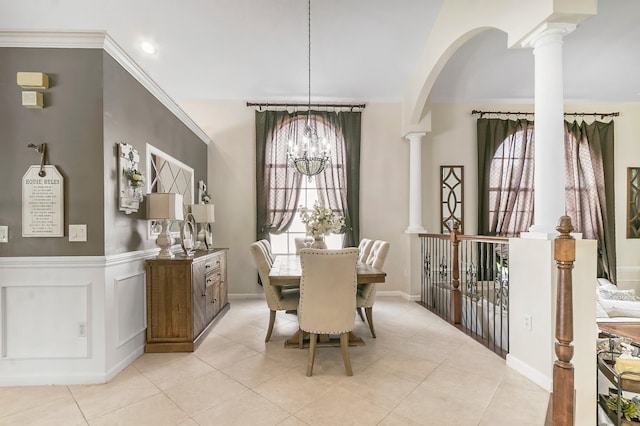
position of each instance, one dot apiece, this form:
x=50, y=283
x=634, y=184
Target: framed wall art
x=633, y=202
x=451, y=198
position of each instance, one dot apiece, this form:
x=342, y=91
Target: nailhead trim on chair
x=354, y=283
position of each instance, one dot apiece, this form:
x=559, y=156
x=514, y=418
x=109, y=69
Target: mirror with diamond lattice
x=167, y=174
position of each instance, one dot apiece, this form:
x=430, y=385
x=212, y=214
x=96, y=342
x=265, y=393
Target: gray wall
x=135, y=116
x=92, y=105
x=71, y=126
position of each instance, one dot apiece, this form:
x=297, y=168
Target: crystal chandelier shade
x=311, y=154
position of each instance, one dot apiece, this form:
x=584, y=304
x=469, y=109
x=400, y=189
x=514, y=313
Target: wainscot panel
x=47, y=302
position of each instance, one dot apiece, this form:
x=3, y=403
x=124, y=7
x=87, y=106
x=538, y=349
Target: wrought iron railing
x=465, y=280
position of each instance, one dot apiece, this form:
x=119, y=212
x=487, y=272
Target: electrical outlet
x=82, y=329
x=4, y=234
x=528, y=322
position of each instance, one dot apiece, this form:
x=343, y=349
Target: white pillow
x=600, y=312
x=604, y=282
x=621, y=308
x=608, y=287
x=628, y=295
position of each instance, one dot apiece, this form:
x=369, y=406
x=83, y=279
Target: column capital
x=415, y=136
x=547, y=32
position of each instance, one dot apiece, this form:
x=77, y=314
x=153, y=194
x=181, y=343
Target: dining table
x=287, y=271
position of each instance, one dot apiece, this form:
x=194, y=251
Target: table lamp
x=165, y=207
x=204, y=214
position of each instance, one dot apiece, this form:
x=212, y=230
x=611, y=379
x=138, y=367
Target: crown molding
x=99, y=40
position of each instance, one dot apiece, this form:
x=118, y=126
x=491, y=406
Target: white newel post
x=549, y=197
x=415, y=182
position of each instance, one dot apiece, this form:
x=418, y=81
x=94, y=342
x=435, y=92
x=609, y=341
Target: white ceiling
x=362, y=50
x=601, y=62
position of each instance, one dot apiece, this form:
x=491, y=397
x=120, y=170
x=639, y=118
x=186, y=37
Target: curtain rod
x=581, y=114
x=285, y=105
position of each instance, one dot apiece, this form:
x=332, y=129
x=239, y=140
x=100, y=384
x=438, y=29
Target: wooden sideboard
x=185, y=296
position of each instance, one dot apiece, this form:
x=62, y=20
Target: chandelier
x=310, y=155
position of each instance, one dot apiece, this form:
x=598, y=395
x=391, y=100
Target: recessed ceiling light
x=148, y=47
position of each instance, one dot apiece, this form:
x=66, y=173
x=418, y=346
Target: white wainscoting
x=46, y=301
x=35, y=326
x=129, y=296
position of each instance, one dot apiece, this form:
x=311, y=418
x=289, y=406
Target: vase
x=318, y=243
x=135, y=193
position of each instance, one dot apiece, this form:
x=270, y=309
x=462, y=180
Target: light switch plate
x=4, y=234
x=77, y=233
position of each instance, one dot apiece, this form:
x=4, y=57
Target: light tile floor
x=419, y=371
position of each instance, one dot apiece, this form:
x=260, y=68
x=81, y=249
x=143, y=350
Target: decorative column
x=415, y=182
x=549, y=171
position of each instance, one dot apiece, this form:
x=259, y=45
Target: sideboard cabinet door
x=185, y=297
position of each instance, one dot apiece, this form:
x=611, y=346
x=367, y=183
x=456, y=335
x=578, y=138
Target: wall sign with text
x=42, y=202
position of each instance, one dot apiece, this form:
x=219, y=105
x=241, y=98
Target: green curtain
x=276, y=183
x=351, y=130
x=590, y=187
x=261, y=205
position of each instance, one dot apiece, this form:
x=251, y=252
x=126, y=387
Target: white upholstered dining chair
x=328, y=298
x=367, y=292
x=278, y=298
x=300, y=243
x=267, y=247
x=365, y=248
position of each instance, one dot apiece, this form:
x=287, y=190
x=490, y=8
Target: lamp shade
x=203, y=213
x=164, y=205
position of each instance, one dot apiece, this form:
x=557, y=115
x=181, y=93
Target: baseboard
x=246, y=296
x=113, y=372
x=396, y=293
x=535, y=376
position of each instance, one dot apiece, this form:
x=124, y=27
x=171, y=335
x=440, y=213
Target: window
x=307, y=189
x=583, y=184
x=505, y=186
x=280, y=190
x=511, y=186
x=285, y=242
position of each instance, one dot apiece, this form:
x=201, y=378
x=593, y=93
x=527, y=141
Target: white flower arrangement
x=320, y=221
x=136, y=178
